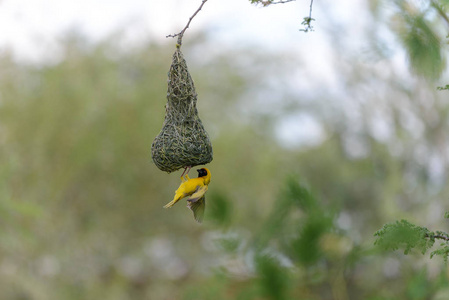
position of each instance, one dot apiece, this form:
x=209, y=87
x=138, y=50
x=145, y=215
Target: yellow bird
x=195, y=188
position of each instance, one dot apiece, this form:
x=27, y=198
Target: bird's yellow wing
x=197, y=207
x=200, y=191
x=186, y=188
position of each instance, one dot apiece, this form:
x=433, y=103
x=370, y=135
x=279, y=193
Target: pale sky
x=31, y=29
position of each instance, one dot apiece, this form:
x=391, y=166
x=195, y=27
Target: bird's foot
x=185, y=176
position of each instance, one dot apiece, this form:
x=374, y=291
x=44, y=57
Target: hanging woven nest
x=183, y=141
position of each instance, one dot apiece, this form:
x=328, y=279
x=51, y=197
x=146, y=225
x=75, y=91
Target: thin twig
x=181, y=33
x=266, y=3
x=441, y=237
x=438, y=236
x=308, y=20
x=310, y=11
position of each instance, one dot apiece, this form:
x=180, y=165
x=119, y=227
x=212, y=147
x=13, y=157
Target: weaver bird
x=195, y=188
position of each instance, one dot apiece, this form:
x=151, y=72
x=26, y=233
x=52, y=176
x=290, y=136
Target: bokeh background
x=319, y=139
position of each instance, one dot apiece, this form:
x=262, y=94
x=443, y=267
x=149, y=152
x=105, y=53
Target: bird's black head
x=202, y=172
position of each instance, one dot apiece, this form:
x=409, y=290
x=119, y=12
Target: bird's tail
x=170, y=204
x=177, y=197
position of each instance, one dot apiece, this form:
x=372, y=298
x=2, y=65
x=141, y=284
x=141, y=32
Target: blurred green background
x=81, y=212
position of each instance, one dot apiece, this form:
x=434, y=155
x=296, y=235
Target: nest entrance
x=183, y=141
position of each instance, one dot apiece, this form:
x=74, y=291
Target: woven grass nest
x=183, y=141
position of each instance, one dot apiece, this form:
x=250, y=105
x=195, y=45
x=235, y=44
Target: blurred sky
x=32, y=29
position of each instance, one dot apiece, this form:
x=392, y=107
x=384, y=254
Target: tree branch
x=181, y=33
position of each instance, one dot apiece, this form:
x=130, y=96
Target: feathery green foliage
x=423, y=45
x=403, y=234
x=219, y=208
x=273, y=278
x=443, y=252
